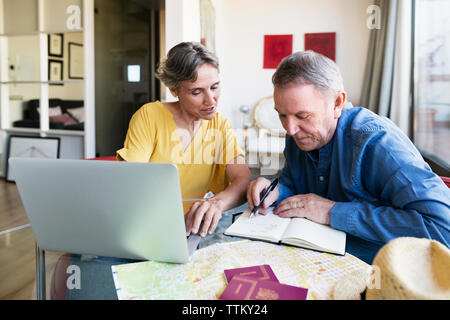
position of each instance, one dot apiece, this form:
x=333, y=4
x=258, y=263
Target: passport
x=246, y=288
x=262, y=272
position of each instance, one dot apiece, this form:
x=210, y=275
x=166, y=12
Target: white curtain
x=387, y=79
x=401, y=103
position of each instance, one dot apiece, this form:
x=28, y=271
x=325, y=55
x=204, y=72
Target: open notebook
x=297, y=232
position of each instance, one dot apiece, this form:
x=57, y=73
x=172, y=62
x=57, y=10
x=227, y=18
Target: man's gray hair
x=182, y=63
x=309, y=67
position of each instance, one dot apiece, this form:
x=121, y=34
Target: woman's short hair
x=309, y=67
x=182, y=62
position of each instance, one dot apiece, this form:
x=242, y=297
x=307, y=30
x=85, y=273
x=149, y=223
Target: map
x=203, y=278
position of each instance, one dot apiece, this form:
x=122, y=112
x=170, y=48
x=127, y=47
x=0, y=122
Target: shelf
x=35, y=33
x=44, y=82
x=33, y=21
x=65, y=132
x=51, y=131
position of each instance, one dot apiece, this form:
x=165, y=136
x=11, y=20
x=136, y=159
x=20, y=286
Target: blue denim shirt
x=382, y=187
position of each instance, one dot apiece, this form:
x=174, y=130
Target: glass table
x=82, y=277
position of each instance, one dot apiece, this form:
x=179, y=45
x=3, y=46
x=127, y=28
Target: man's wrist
x=283, y=193
x=332, y=204
x=341, y=216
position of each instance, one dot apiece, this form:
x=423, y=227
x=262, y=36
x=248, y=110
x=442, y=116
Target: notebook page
x=320, y=236
x=269, y=227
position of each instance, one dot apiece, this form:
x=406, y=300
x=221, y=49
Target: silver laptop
x=104, y=208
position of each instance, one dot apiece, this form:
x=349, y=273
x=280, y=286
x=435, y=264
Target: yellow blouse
x=154, y=137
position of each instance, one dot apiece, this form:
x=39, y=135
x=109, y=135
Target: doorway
x=126, y=53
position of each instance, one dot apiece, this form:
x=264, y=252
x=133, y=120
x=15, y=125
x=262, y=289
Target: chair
x=67, y=108
x=265, y=138
x=59, y=279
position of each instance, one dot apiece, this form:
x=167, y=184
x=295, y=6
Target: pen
x=269, y=189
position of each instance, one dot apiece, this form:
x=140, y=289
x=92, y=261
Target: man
x=347, y=167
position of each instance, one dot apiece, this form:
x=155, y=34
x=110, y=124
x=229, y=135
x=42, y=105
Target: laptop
x=104, y=208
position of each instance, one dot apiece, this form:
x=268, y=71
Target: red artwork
x=276, y=47
x=324, y=43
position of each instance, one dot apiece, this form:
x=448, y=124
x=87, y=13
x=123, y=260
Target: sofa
x=64, y=114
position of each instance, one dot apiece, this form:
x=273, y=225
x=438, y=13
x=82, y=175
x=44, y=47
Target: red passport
x=245, y=288
x=263, y=272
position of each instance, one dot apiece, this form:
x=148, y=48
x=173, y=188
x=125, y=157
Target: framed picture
x=55, y=70
x=323, y=43
x=31, y=147
x=76, y=61
x=276, y=47
x=56, y=45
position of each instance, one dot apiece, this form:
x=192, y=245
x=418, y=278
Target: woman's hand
x=203, y=216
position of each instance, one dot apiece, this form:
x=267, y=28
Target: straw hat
x=405, y=268
x=353, y=285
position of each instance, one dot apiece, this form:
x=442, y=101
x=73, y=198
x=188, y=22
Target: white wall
x=240, y=29
x=182, y=23
x=24, y=55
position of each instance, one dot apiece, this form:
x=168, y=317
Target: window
x=134, y=73
x=432, y=108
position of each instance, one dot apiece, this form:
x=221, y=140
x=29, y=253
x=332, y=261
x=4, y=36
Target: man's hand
x=255, y=191
x=203, y=217
x=309, y=206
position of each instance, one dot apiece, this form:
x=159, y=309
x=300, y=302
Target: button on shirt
x=382, y=187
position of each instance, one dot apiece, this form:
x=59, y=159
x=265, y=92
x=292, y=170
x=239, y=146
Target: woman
x=191, y=134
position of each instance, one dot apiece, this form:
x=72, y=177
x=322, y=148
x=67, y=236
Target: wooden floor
x=17, y=249
x=12, y=212
x=17, y=265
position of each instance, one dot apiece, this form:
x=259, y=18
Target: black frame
x=71, y=45
x=52, y=54
x=60, y=62
x=8, y=154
